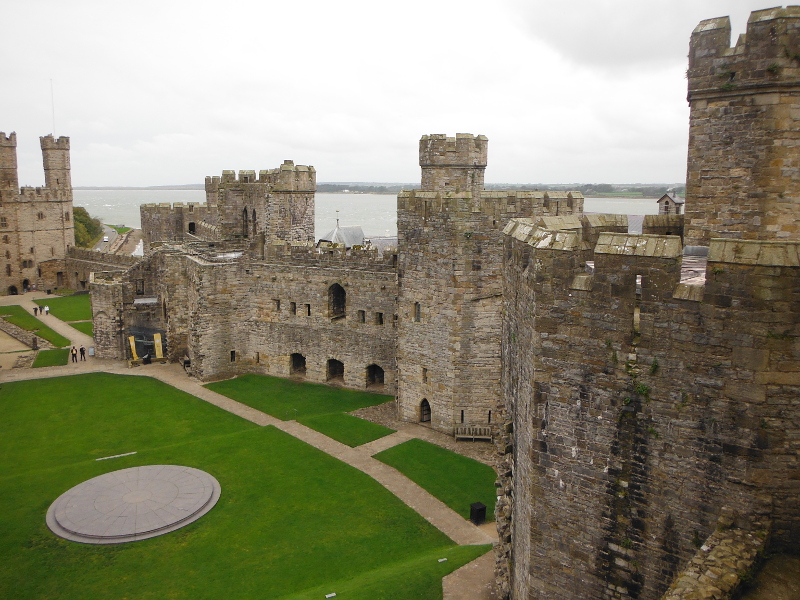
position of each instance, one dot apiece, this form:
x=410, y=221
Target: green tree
x=87, y=229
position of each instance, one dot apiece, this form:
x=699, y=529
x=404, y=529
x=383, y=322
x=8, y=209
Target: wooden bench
x=473, y=433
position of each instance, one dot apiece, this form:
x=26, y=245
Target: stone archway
x=424, y=411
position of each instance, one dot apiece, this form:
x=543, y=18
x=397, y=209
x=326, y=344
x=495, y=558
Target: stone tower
x=450, y=287
x=9, y=184
x=743, y=173
x=453, y=164
x=55, y=155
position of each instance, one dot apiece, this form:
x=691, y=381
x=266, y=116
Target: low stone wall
x=26, y=337
x=723, y=562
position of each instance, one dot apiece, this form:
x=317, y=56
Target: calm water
x=376, y=213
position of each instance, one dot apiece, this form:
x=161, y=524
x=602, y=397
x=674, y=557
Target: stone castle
x=642, y=388
x=36, y=229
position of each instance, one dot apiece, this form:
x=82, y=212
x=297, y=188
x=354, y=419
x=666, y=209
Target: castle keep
x=36, y=228
x=642, y=390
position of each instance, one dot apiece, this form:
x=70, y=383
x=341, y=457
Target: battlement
x=9, y=141
x=287, y=177
x=767, y=55
x=49, y=143
x=428, y=204
x=353, y=258
x=463, y=150
x=39, y=194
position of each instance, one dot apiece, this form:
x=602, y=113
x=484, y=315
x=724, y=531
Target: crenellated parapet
x=766, y=56
x=353, y=258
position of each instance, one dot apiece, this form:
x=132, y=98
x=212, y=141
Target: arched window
x=335, y=371
x=337, y=301
x=245, y=223
x=374, y=376
x=297, y=365
x=424, y=411
x=253, y=219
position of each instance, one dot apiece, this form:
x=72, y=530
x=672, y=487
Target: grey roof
x=672, y=196
x=347, y=236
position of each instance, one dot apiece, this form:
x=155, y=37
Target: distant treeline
x=598, y=189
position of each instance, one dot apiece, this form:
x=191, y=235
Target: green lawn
x=346, y=429
x=287, y=400
x=454, y=479
x=21, y=318
x=51, y=358
x=84, y=327
x=120, y=230
x=292, y=522
x=69, y=308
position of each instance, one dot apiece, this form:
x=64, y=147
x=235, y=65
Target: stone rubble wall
x=26, y=337
x=725, y=561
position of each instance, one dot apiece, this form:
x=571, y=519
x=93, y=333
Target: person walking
x=35, y=311
x=46, y=309
x=74, y=353
x=83, y=353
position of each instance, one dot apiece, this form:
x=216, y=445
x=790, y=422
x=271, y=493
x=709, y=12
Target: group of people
x=45, y=310
x=74, y=353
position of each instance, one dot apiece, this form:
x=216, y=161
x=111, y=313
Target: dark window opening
x=297, y=365
x=424, y=411
x=489, y=418
x=476, y=265
x=59, y=279
x=462, y=416
x=335, y=370
x=424, y=375
x=337, y=301
x=253, y=218
x=277, y=305
x=293, y=307
x=417, y=312
x=192, y=227
x=378, y=318
x=362, y=316
x=374, y=376
x=245, y=223
x=308, y=310
x=139, y=287
x=233, y=355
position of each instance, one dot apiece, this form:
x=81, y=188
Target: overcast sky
x=167, y=92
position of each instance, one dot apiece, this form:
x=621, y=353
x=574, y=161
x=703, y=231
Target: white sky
x=158, y=92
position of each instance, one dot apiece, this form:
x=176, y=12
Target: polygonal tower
x=743, y=172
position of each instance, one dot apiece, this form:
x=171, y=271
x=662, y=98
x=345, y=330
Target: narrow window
x=462, y=416
x=233, y=355
x=308, y=310
x=277, y=305
x=379, y=318
x=66, y=216
x=293, y=307
x=31, y=250
x=417, y=312
x=337, y=301
x=258, y=358
x=362, y=316
x=139, y=287
x=425, y=411
x=3, y=222
x=394, y=321
x=5, y=237
x=424, y=375
x=8, y=254
x=489, y=418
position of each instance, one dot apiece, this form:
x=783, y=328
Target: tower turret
x=55, y=155
x=9, y=181
x=453, y=164
x=743, y=173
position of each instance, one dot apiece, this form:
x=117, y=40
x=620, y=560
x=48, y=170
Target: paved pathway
x=442, y=517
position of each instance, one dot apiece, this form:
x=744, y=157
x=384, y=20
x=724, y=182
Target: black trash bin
x=477, y=513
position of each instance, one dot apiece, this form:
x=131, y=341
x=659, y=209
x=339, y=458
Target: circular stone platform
x=133, y=504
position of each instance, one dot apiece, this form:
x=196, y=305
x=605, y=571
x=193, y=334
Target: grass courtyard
x=292, y=522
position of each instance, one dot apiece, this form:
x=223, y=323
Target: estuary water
x=375, y=213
